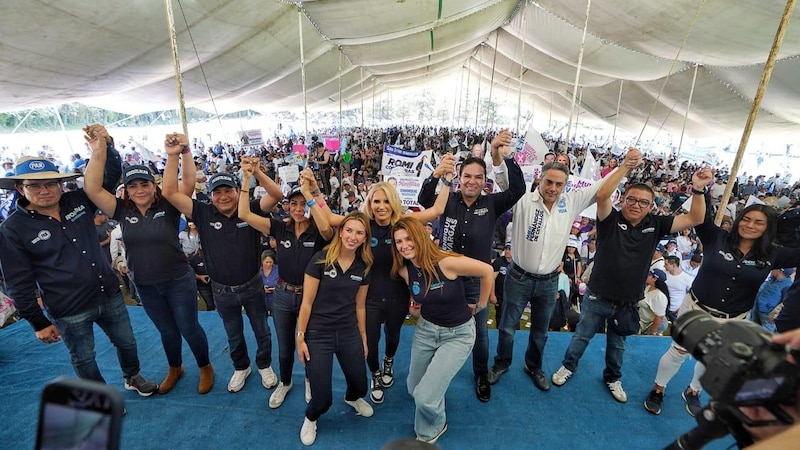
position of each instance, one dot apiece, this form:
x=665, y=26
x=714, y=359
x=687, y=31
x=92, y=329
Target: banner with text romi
x=398, y=161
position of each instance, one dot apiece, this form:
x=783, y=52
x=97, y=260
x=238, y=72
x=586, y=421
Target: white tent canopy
x=116, y=55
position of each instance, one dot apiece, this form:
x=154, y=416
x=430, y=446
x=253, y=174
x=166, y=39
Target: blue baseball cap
x=137, y=172
x=223, y=179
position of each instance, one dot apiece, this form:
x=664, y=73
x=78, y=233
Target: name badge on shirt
x=308, y=244
x=356, y=278
x=242, y=225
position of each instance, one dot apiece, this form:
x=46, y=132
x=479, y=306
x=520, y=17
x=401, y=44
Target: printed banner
x=251, y=137
x=408, y=188
x=399, y=161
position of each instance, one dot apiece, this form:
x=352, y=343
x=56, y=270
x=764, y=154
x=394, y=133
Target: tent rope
x=671, y=68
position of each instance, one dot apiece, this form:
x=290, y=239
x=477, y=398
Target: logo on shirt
x=728, y=257
x=562, y=206
x=286, y=244
x=356, y=278
x=503, y=270
x=159, y=214
x=437, y=285
x=622, y=226
x=448, y=233
x=415, y=289
x=535, y=227
x=242, y=225
x=132, y=220
x=43, y=235
x=308, y=244
x=216, y=225
x=73, y=215
x=481, y=211
x=373, y=242
x=331, y=273
x=649, y=230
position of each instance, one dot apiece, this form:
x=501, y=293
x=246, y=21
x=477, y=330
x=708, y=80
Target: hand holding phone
x=77, y=413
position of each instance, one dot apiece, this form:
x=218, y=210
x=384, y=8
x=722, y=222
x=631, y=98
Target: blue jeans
x=229, y=305
x=518, y=289
x=480, y=352
x=285, y=307
x=77, y=332
x=172, y=306
x=594, y=312
x=349, y=350
x=437, y=354
x=390, y=312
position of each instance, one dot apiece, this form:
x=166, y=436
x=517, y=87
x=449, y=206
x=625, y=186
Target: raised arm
x=177, y=196
x=697, y=212
x=464, y=266
x=274, y=193
x=426, y=197
x=612, y=180
x=334, y=220
x=97, y=137
x=502, y=139
x=439, y=206
x=261, y=224
x=314, y=207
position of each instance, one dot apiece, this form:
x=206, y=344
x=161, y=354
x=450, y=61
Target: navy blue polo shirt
x=444, y=303
x=383, y=285
x=64, y=258
x=623, y=256
x=294, y=254
x=151, y=242
x=729, y=283
x=334, y=306
x=231, y=247
x=469, y=230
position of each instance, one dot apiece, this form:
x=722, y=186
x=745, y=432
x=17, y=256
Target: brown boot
x=206, y=379
x=174, y=374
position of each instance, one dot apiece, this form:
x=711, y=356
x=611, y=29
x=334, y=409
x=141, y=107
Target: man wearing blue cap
x=49, y=249
x=232, y=253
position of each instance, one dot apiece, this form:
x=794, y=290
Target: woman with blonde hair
x=387, y=299
x=332, y=321
x=445, y=331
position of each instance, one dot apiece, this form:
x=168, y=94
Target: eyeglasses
x=630, y=201
x=37, y=187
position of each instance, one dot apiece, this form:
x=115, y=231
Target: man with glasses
x=49, y=250
x=626, y=240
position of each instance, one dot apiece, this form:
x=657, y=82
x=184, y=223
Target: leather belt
x=253, y=282
x=535, y=276
x=713, y=312
x=293, y=288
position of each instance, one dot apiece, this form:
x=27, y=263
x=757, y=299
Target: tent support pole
x=688, y=108
x=616, y=116
x=491, y=80
x=173, y=45
x=578, y=70
x=303, y=78
x=751, y=118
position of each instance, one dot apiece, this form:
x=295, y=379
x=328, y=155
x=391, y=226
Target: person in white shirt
x=718, y=188
x=678, y=282
x=658, y=258
x=692, y=266
x=539, y=236
x=653, y=307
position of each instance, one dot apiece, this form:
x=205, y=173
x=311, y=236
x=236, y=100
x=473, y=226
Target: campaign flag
x=591, y=168
x=410, y=162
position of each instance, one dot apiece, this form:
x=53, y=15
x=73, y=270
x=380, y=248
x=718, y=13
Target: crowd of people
x=334, y=256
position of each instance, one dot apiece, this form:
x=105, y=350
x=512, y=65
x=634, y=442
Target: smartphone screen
x=79, y=414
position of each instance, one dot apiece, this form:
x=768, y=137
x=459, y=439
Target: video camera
x=744, y=368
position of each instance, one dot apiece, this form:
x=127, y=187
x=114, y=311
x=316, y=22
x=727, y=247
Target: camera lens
x=691, y=328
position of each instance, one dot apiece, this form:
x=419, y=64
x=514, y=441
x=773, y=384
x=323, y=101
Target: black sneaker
x=654, y=401
x=376, y=390
x=140, y=384
x=482, y=388
x=495, y=373
x=692, y=399
x=538, y=377
x=387, y=377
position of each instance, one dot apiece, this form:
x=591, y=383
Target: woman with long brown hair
x=445, y=331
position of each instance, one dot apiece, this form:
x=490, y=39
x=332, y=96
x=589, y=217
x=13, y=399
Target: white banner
x=289, y=173
x=399, y=161
x=408, y=188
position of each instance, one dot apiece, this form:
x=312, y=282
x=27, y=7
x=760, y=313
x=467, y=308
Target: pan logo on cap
x=36, y=165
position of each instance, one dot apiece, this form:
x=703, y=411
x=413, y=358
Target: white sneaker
x=561, y=376
x=617, y=391
x=361, y=406
x=237, y=380
x=268, y=378
x=308, y=433
x=277, y=397
x=308, y=391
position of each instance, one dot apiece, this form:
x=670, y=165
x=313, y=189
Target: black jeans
x=392, y=313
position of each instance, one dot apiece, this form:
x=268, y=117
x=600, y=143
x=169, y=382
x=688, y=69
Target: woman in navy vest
x=445, y=331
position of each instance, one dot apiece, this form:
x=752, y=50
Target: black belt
x=711, y=311
x=253, y=282
x=535, y=276
x=293, y=288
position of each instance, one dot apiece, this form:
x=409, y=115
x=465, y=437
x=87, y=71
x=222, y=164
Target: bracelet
x=315, y=192
x=301, y=334
x=698, y=191
x=185, y=150
x=311, y=203
x=445, y=182
x=479, y=308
